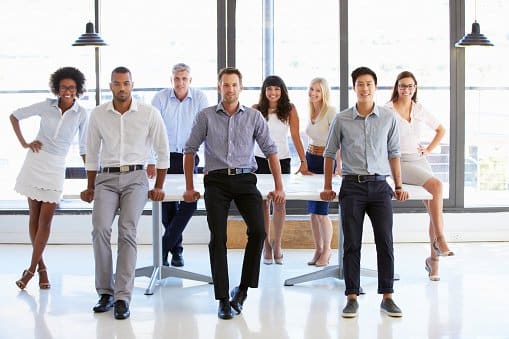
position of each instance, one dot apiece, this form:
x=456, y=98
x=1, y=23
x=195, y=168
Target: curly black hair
x=284, y=106
x=67, y=73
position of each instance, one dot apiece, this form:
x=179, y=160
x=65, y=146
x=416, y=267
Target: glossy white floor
x=471, y=300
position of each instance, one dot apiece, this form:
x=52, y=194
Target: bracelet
x=398, y=188
x=302, y=161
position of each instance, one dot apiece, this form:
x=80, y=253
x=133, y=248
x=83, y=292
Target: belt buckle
x=359, y=180
x=124, y=168
x=232, y=171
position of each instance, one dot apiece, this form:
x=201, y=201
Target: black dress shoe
x=104, y=304
x=238, y=298
x=224, y=310
x=177, y=260
x=121, y=309
x=165, y=261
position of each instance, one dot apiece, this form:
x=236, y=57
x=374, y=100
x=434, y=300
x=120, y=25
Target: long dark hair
x=402, y=75
x=284, y=106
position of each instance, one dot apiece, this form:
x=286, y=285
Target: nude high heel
x=26, y=274
x=427, y=262
x=438, y=252
x=43, y=285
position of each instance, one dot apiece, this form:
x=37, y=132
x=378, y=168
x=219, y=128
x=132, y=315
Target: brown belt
x=316, y=150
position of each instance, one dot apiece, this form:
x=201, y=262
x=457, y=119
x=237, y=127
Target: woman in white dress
x=43, y=172
x=415, y=170
x=282, y=117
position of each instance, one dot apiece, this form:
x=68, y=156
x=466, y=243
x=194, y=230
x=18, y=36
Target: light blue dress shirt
x=229, y=140
x=179, y=115
x=365, y=144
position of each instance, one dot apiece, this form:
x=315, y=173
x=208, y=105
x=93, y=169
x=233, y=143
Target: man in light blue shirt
x=368, y=139
x=178, y=106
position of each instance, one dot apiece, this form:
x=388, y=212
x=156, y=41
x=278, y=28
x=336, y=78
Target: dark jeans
x=176, y=214
x=220, y=190
x=375, y=200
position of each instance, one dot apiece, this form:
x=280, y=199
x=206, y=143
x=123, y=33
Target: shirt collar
x=356, y=115
x=75, y=107
x=134, y=106
x=220, y=108
x=189, y=94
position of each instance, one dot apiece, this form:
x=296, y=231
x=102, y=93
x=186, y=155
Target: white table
x=297, y=187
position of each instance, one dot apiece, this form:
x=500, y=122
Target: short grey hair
x=180, y=67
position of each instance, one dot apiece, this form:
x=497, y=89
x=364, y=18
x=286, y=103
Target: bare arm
x=278, y=195
x=35, y=145
x=395, y=164
x=328, y=193
x=190, y=193
x=439, y=134
x=293, y=120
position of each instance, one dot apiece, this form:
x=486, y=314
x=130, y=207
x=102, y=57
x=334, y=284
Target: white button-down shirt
x=116, y=139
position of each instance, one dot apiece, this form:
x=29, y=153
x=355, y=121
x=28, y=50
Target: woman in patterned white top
x=282, y=117
x=415, y=170
x=42, y=176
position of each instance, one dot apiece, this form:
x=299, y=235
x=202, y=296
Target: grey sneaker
x=350, y=310
x=390, y=308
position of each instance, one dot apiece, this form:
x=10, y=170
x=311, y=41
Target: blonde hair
x=324, y=86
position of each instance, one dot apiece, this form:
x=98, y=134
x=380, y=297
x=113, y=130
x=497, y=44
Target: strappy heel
x=43, y=285
x=26, y=275
x=438, y=252
x=427, y=262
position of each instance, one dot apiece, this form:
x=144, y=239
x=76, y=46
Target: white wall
x=411, y=227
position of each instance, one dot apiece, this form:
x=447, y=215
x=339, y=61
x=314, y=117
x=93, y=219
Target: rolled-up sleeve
x=393, y=148
x=333, y=139
x=262, y=136
x=198, y=133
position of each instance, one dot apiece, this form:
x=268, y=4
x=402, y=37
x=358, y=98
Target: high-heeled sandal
x=313, y=261
x=279, y=260
x=43, y=285
x=319, y=263
x=266, y=260
x=434, y=277
x=438, y=252
x=26, y=274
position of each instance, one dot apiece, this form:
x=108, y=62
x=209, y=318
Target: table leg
x=157, y=271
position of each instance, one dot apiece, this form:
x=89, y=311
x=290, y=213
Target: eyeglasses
x=67, y=88
x=409, y=87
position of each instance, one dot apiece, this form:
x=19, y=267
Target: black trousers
x=176, y=214
x=220, y=190
x=375, y=200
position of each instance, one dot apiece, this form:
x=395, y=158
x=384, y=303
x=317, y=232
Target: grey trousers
x=126, y=192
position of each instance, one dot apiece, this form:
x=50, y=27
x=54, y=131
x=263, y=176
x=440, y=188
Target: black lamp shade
x=476, y=38
x=90, y=38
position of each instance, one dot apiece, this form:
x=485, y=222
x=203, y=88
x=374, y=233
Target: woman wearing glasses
x=415, y=169
x=42, y=175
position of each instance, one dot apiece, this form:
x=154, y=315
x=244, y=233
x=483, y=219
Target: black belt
x=122, y=169
x=364, y=178
x=231, y=171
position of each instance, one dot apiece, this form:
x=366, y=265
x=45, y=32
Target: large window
x=383, y=37
x=486, y=114
x=148, y=39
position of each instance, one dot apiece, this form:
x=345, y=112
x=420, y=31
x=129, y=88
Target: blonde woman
x=415, y=170
x=321, y=115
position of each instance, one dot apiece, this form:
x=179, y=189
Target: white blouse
x=410, y=131
x=278, y=131
x=317, y=132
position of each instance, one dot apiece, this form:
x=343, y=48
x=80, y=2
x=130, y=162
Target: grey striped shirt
x=229, y=140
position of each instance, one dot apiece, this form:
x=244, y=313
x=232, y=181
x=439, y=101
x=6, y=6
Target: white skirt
x=41, y=177
x=415, y=169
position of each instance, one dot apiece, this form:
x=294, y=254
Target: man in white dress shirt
x=121, y=136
